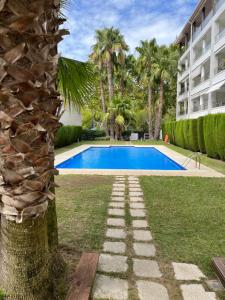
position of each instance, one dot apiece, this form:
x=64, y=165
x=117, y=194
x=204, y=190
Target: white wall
x=71, y=117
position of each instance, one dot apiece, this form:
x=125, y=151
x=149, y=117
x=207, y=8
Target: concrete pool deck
x=191, y=169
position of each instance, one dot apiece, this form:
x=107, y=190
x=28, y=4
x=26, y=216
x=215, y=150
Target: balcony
x=219, y=3
x=218, y=103
x=220, y=35
x=202, y=25
x=201, y=53
x=197, y=108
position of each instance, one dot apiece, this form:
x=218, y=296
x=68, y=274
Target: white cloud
x=137, y=20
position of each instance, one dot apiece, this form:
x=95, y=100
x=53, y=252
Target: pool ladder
x=196, y=156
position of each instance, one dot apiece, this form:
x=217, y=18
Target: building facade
x=71, y=116
x=201, y=76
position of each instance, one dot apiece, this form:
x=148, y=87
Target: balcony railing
x=218, y=103
x=220, y=68
x=199, y=107
x=204, y=51
x=219, y=3
x=220, y=35
x=202, y=25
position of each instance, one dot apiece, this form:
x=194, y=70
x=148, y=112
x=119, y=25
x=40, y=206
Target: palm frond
x=76, y=81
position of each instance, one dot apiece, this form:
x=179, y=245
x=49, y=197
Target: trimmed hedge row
x=205, y=134
x=91, y=135
x=67, y=135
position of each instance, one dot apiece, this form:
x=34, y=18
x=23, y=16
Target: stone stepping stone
x=146, y=268
x=137, y=205
x=116, y=233
x=137, y=213
x=144, y=249
x=132, y=177
x=117, y=204
x=187, y=272
x=131, y=189
x=106, y=287
x=119, y=194
x=116, y=185
x=136, y=199
x=114, y=247
x=134, y=185
x=116, y=212
x=112, y=263
x=142, y=235
x=133, y=182
x=136, y=194
x=118, y=189
x=119, y=199
x=148, y=290
x=139, y=224
x=196, y=292
x=116, y=222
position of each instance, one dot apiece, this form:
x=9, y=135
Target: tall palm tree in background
x=97, y=58
x=147, y=51
x=162, y=72
x=111, y=43
x=30, y=109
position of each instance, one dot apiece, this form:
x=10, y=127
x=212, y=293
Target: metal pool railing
x=196, y=156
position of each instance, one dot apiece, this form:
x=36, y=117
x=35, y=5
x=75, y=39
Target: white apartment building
x=201, y=77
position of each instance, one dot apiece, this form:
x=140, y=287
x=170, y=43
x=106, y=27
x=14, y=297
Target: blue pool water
x=124, y=158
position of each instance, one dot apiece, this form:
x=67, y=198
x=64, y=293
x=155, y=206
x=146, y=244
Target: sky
x=136, y=19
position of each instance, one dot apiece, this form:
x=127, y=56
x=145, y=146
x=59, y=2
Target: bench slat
x=84, y=277
x=219, y=265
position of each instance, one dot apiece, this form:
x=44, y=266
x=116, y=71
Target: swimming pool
x=121, y=158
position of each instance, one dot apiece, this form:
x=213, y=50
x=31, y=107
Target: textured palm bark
x=150, y=131
x=111, y=93
x=24, y=255
x=29, y=118
x=102, y=95
x=159, y=112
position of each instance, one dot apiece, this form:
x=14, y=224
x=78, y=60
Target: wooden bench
x=84, y=277
x=219, y=266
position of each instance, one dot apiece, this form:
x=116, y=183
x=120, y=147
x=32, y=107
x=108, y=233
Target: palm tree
x=30, y=109
x=111, y=43
x=97, y=59
x=147, y=52
x=121, y=109
x=162, y=69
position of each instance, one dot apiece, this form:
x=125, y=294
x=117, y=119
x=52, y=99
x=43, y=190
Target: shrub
x=2, y=295
x=91, y=135
x=67, y=135
x=206, y=134
x=201, y=140
x=210, y=136
x=193, y=135
x=220, y=135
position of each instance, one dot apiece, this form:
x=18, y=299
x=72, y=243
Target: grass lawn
x=215, y=164
x=82, y=203
x=187, y=218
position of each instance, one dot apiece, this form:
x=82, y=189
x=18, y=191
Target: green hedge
x=67, y=135
x=91, y=135
x=205, y=134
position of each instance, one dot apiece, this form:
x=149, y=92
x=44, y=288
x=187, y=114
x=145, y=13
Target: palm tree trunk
x=102, y=94
x=24, y=259
x=150, y=112
x=29, y=118
x=159, y=112
x=111, y=93
x=122, y=86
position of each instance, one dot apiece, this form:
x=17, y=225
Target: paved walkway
x=128, y=266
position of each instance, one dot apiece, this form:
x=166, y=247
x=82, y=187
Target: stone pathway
x=128, y=267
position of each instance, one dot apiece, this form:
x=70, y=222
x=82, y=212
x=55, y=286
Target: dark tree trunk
x=111, y=93
x=122, y=86
x=102, y=94
x=150, y=130
x=24, y=259
x=159, y=111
